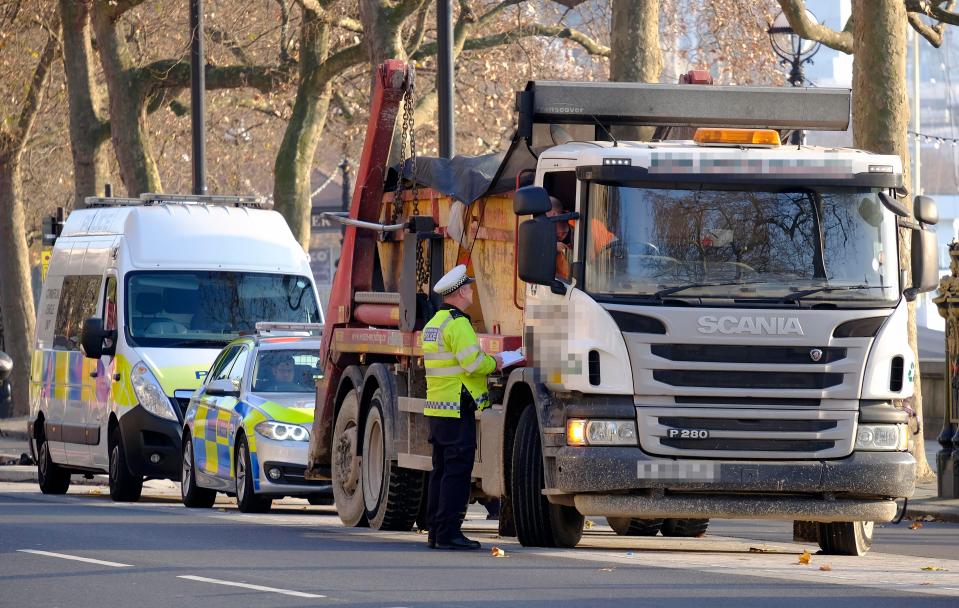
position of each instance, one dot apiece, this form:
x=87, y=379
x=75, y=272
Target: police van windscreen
x=207, y=309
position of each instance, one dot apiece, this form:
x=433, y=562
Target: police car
x=247, y=429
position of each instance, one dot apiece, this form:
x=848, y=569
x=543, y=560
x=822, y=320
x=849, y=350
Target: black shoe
x=458, y=544
x=431, y=540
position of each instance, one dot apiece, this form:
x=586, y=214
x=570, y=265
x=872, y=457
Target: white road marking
x=214, y=581
x=76, y=558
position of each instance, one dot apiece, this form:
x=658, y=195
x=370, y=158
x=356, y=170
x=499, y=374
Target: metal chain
x=409, y=130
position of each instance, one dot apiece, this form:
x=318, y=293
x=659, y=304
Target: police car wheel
x=52, y=477
x=193, y=495
x=246, y=499
x=347, y=489
x=124, y=486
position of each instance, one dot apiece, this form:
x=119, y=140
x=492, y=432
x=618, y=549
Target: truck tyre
x=624, y=526
x=347, y=491
x=52, y=477
x=684, y=528
x=124, y=486
x=194, y=497
x=391, y=494
x=539, y=523
x=846, y=537
x=246, y=499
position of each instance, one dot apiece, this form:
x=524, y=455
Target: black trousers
x=454, y=448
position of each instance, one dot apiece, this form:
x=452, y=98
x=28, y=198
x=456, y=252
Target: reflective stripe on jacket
x=453, y=360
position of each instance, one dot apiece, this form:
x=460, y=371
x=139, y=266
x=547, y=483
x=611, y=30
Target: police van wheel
x=246, y=499
x=52, y=477
x=124, y=486
x=539, y=523
x=846, y=537
x=624, y=526
x=193, y=495
x=684, y=528
x=347, y=491
x=391, y=494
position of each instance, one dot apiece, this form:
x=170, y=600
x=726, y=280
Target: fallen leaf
x=497, y=552
x=927, y=518
x=915, y=525
x=588, y=524
x=826, y=568
x=805, y=557
x=758, y=550
x=933, y=569
x=606, y=569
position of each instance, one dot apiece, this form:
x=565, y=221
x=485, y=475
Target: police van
x=140, y=297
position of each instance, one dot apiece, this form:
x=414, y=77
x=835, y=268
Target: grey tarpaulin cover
x=469, y=178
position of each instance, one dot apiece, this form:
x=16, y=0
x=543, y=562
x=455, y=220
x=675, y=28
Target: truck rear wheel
x=624, y=526
x=539, y=523
x=684, y=528
x=846, y=537
x=391, y=494
x=347, y=492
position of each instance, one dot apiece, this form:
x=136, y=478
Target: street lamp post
x=795, y=51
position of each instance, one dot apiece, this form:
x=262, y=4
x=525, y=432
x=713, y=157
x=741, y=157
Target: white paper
x=511, y=357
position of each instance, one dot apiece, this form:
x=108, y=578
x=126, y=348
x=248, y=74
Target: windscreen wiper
x=795, y=297
x=675, y=289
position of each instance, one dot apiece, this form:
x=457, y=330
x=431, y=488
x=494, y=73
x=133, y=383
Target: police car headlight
x=149, y=392
x=600, y=432
x=282, y=432
x=882, y=437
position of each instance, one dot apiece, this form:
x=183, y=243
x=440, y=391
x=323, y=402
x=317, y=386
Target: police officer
x=456, y=371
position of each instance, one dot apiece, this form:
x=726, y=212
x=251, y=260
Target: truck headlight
x=885, y=437
x=281, y=431
x=149, y=392
x=600, y=432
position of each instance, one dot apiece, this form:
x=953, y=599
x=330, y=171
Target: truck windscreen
x=206, y=309
x=741, y=244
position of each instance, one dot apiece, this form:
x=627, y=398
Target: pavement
x=925, y=504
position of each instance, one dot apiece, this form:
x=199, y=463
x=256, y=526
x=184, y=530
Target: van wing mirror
x=96, y=341
x=222, y=387
x=925, y=210
x=531, y=200
x=6, y=366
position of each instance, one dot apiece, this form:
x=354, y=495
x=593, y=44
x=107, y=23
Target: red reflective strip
x=277, y=340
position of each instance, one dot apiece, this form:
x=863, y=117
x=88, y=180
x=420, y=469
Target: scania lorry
x=730, y=340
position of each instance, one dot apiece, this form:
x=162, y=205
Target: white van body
x=177, y=281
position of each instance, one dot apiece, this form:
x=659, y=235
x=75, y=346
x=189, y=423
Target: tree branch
x=115, y=8
x=419, y=31
x=31, y=102
x=934, y=10
x=488, y=15
x=227, y=40
x=172, y=73
x=932, y=33
x=799, y=21
x=525, y=31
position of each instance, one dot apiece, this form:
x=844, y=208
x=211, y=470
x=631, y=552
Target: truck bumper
x=625, y=482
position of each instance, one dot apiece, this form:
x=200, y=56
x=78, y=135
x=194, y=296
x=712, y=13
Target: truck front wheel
x=624, y=526
x=846, y=537
x=347, y=492
x=539, y=523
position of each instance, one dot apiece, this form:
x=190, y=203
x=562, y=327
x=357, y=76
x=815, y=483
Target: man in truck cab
x=456, y=371
x=564, y=239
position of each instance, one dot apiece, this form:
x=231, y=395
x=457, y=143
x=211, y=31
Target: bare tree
x=876, y=37
x=16, y=297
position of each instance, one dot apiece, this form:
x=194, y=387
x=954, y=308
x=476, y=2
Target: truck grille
x=747, y=379
x=747, y=433
x=721, y=353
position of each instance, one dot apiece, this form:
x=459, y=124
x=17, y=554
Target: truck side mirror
x=223, y=387
x=96, y=341
x=925, y=262
x=536, y=250
x=6, y=366
x=925, y=210
x=531, y=200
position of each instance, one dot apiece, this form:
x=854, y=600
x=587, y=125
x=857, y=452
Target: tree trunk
x=87, y=130
x=16, y=295
x=138, y=170
x=294, y=160
x=880, y=122
x=636, y=55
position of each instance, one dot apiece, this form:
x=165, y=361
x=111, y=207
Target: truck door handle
x=93, y=374
x=116, y=377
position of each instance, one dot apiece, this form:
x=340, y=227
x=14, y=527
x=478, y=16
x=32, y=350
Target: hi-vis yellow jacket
x=453, y=359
